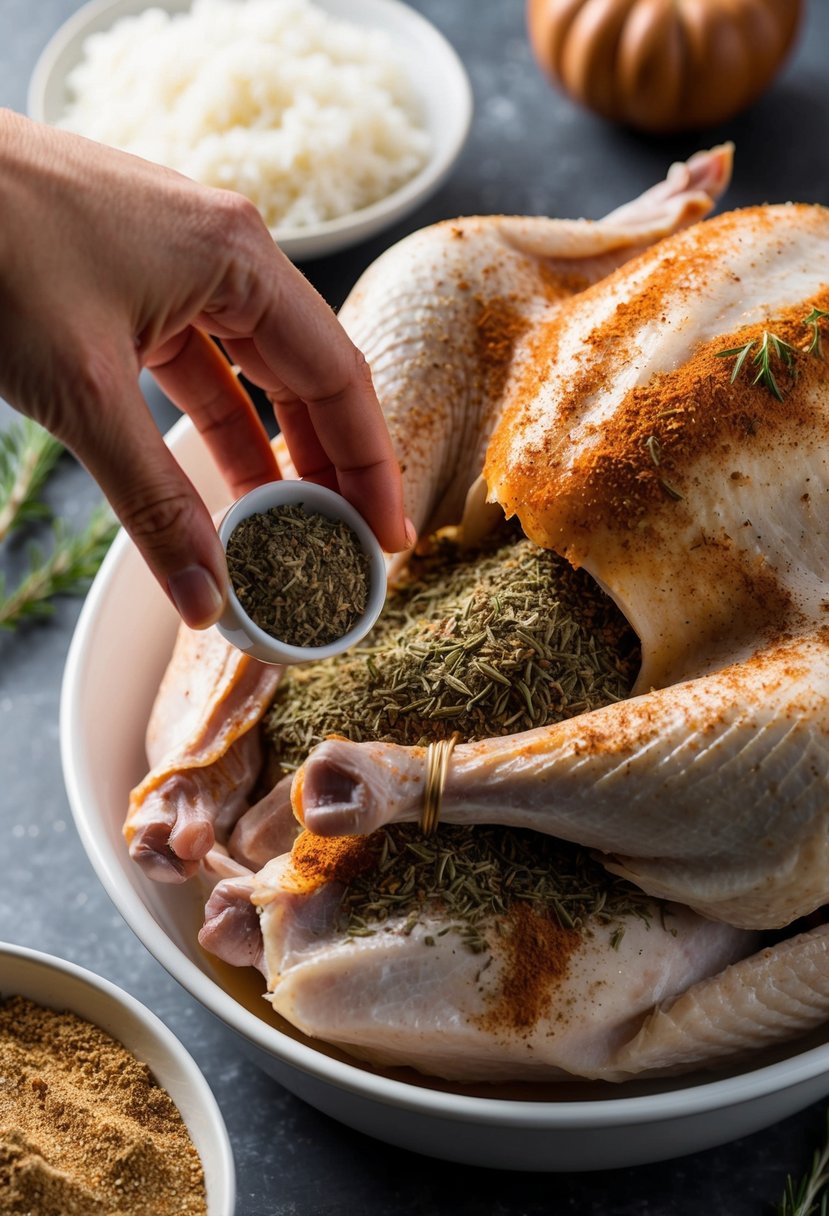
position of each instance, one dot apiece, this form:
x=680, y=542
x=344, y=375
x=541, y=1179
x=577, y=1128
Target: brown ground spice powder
x=538, y=952
x=84, y=1128
x=499, y=326
x=319, y=859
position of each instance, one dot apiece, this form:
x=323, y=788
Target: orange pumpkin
x=663, y=65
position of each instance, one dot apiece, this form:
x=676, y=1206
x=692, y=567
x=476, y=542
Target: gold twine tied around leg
x=437, y=768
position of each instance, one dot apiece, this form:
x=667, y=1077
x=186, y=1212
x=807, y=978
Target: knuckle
x=353, y=368
x=158, y=521
x=362, y=368
x=237, y=229
x=76, y=386
x=94, y=377
x=237, y=221
x=242, y=211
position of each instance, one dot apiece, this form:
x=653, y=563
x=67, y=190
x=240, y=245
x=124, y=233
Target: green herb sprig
x=770, y=344
x=813, y=320
x=811, y=1194
x=28, y=454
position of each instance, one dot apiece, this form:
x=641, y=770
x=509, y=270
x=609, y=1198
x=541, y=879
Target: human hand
x=109, y=264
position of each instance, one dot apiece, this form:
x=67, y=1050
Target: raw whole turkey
x=483, y=281
x=647, y=394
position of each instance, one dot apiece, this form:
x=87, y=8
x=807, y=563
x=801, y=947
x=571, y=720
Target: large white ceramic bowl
x=439, y=81
x=57, y=984
x=127, y=628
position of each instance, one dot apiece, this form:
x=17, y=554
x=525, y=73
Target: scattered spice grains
x=613, y=481
x=300, y=576
x=84, y=1128
x=537, y=958
x=320, y=859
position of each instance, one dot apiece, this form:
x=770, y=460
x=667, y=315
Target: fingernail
x=411, y=533
x=194, y=592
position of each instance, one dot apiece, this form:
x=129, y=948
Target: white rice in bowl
x=311, y=117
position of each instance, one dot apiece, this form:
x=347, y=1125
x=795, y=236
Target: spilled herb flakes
x=486, y=644
x=472, y=876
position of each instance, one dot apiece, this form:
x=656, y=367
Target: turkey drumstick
x=713, y=793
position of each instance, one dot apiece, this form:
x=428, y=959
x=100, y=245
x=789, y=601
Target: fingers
x=307, y=453
x=155, y=501
x=302, y=356
x=323, y=439
x=197, y=377
x=308, y=456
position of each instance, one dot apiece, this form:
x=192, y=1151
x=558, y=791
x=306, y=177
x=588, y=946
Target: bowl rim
x=224, y=1194
x=697, y=1098
x=326, y=237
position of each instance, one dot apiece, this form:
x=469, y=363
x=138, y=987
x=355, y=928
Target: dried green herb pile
x=300, y=576
x=473, y=876
x=486, y=644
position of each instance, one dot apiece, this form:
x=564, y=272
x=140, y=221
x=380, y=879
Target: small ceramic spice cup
x=237, y=627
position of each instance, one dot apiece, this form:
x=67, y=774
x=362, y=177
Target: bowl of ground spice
x=307, y=574
x=101, y=1108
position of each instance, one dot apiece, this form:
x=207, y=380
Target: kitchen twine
x=437, y=768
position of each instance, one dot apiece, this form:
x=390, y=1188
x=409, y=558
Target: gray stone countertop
x=531, y=151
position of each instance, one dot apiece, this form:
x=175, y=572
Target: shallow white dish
x=439, y=80
x=58, y=984
x=127, y=623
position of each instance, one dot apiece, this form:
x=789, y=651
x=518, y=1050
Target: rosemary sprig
x=28, y=453
x=814, y=318
x=67, y=570
x=742, y=353
x=770, y=344
x=810, y=1195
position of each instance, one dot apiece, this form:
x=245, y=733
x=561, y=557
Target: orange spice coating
x=499, y=327
x=538, y=952
x=319, y=859
x=686, y=412
x=651, y=478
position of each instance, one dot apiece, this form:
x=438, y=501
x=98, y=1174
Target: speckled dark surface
x=531, y=151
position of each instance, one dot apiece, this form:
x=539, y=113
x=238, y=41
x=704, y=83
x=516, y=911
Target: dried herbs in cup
x=301, y=577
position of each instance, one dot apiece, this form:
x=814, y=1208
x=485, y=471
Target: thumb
x=159, y=507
